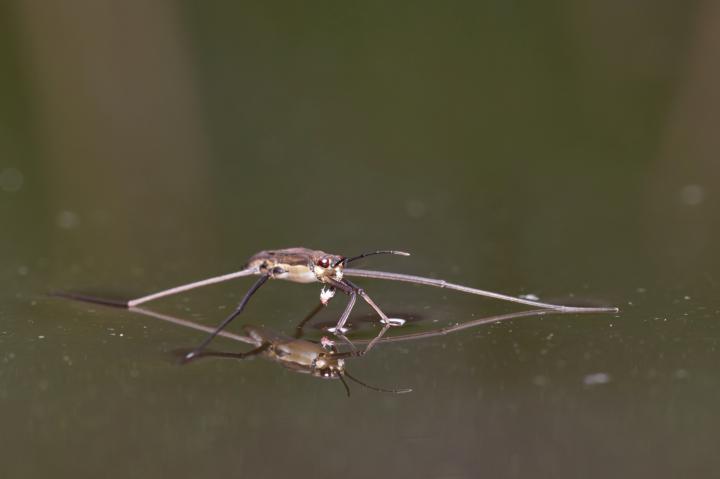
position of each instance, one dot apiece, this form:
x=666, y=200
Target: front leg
x=383, y=317
x=339, y=327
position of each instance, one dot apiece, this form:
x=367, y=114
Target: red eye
x=323, y=262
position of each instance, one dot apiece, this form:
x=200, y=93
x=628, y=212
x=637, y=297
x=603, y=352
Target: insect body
x=297, y=354
x=300, y=265
x=319, y=360
x=303, y=265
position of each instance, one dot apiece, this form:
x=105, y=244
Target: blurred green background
x=563, y=149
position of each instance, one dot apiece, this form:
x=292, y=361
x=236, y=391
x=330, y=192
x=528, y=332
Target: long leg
x=368, y=345
x=232, y=316
x=189, y=286
x=470, y=324
x=440, y=283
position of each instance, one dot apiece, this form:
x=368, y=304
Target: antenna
x=374, y=388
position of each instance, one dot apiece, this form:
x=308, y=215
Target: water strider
x=303, y=265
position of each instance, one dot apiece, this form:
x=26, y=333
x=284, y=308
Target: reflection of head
x=327, y=366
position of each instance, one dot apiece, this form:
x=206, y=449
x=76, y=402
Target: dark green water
x=567, y=150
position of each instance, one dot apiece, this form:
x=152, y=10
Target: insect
x=303, y=265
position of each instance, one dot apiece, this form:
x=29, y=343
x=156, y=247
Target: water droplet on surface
x=692, y=195
x=596, y=378
x=67, y=219
x=11, y=180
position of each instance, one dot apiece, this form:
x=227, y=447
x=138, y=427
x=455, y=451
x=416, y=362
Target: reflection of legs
x=355, y=353
x=232, y=316
x=220, y=354
x=299, y=329
x=377, y=338
x=347, y=341
x=372, y=343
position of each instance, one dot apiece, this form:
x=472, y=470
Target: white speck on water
x=692, y=195
x=41, y=337
x=415, y=208
x=11, y=180
x=121, y=335
x=540, y=380
x=687, y=298
x=67, y=219
x=531, y=297
x=596, y=378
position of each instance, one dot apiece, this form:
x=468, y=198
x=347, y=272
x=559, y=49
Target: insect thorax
x=300, y=265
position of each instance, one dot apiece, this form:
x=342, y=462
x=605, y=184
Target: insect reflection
x=319, y=359
x=322, y=360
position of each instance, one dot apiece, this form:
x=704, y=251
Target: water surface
x=566, y=151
